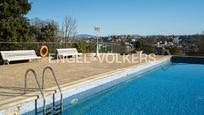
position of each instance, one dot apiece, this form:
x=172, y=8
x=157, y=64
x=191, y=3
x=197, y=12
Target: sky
x=116, y=17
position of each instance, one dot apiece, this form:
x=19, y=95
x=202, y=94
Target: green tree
x=144, y=46
x=48, y=32
x=44, y=31
x=14, y=26
x=174, y=50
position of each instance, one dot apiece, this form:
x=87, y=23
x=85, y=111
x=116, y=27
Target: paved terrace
x=12, y=76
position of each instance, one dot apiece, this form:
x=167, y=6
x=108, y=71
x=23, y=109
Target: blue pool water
x=174, y=90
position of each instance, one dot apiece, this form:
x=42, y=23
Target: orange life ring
x=41, y=51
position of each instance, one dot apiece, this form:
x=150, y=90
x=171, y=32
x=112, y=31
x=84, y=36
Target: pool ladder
x=56, y=108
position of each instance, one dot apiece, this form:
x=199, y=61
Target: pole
x=97, y=29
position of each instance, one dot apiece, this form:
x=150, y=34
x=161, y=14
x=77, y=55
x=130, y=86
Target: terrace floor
x=12, y=76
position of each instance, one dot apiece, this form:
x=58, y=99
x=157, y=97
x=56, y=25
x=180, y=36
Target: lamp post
x=97, y=29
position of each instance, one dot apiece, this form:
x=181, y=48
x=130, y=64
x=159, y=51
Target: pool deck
x=12, y=76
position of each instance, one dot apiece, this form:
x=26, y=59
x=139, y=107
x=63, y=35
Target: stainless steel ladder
x=57, y=107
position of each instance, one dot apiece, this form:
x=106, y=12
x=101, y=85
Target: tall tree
x=69, y=27
x=14, y=26
x=44, y=31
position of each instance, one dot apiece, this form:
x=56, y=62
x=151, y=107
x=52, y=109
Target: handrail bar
x=41, y=91
x=43, y=77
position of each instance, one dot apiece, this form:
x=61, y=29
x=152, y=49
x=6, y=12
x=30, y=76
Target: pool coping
x=14, y=102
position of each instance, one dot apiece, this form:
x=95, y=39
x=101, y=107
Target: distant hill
x=85, y=36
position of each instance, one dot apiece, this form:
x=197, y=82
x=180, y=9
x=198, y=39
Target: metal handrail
x=41, y=91
x=43, y=77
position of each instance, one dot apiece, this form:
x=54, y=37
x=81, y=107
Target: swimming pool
x=176, y=89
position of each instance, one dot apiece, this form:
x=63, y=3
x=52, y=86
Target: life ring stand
x=46, y=51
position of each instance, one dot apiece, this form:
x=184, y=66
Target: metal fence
x=82, y=47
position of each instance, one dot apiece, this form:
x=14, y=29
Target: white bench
x=61, y=53
x=8, y=56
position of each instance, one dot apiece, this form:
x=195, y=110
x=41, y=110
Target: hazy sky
x=144, y=17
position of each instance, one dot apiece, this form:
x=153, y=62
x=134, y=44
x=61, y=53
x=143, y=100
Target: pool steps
x=55, y=108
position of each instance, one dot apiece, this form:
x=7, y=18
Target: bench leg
x=6, y=62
